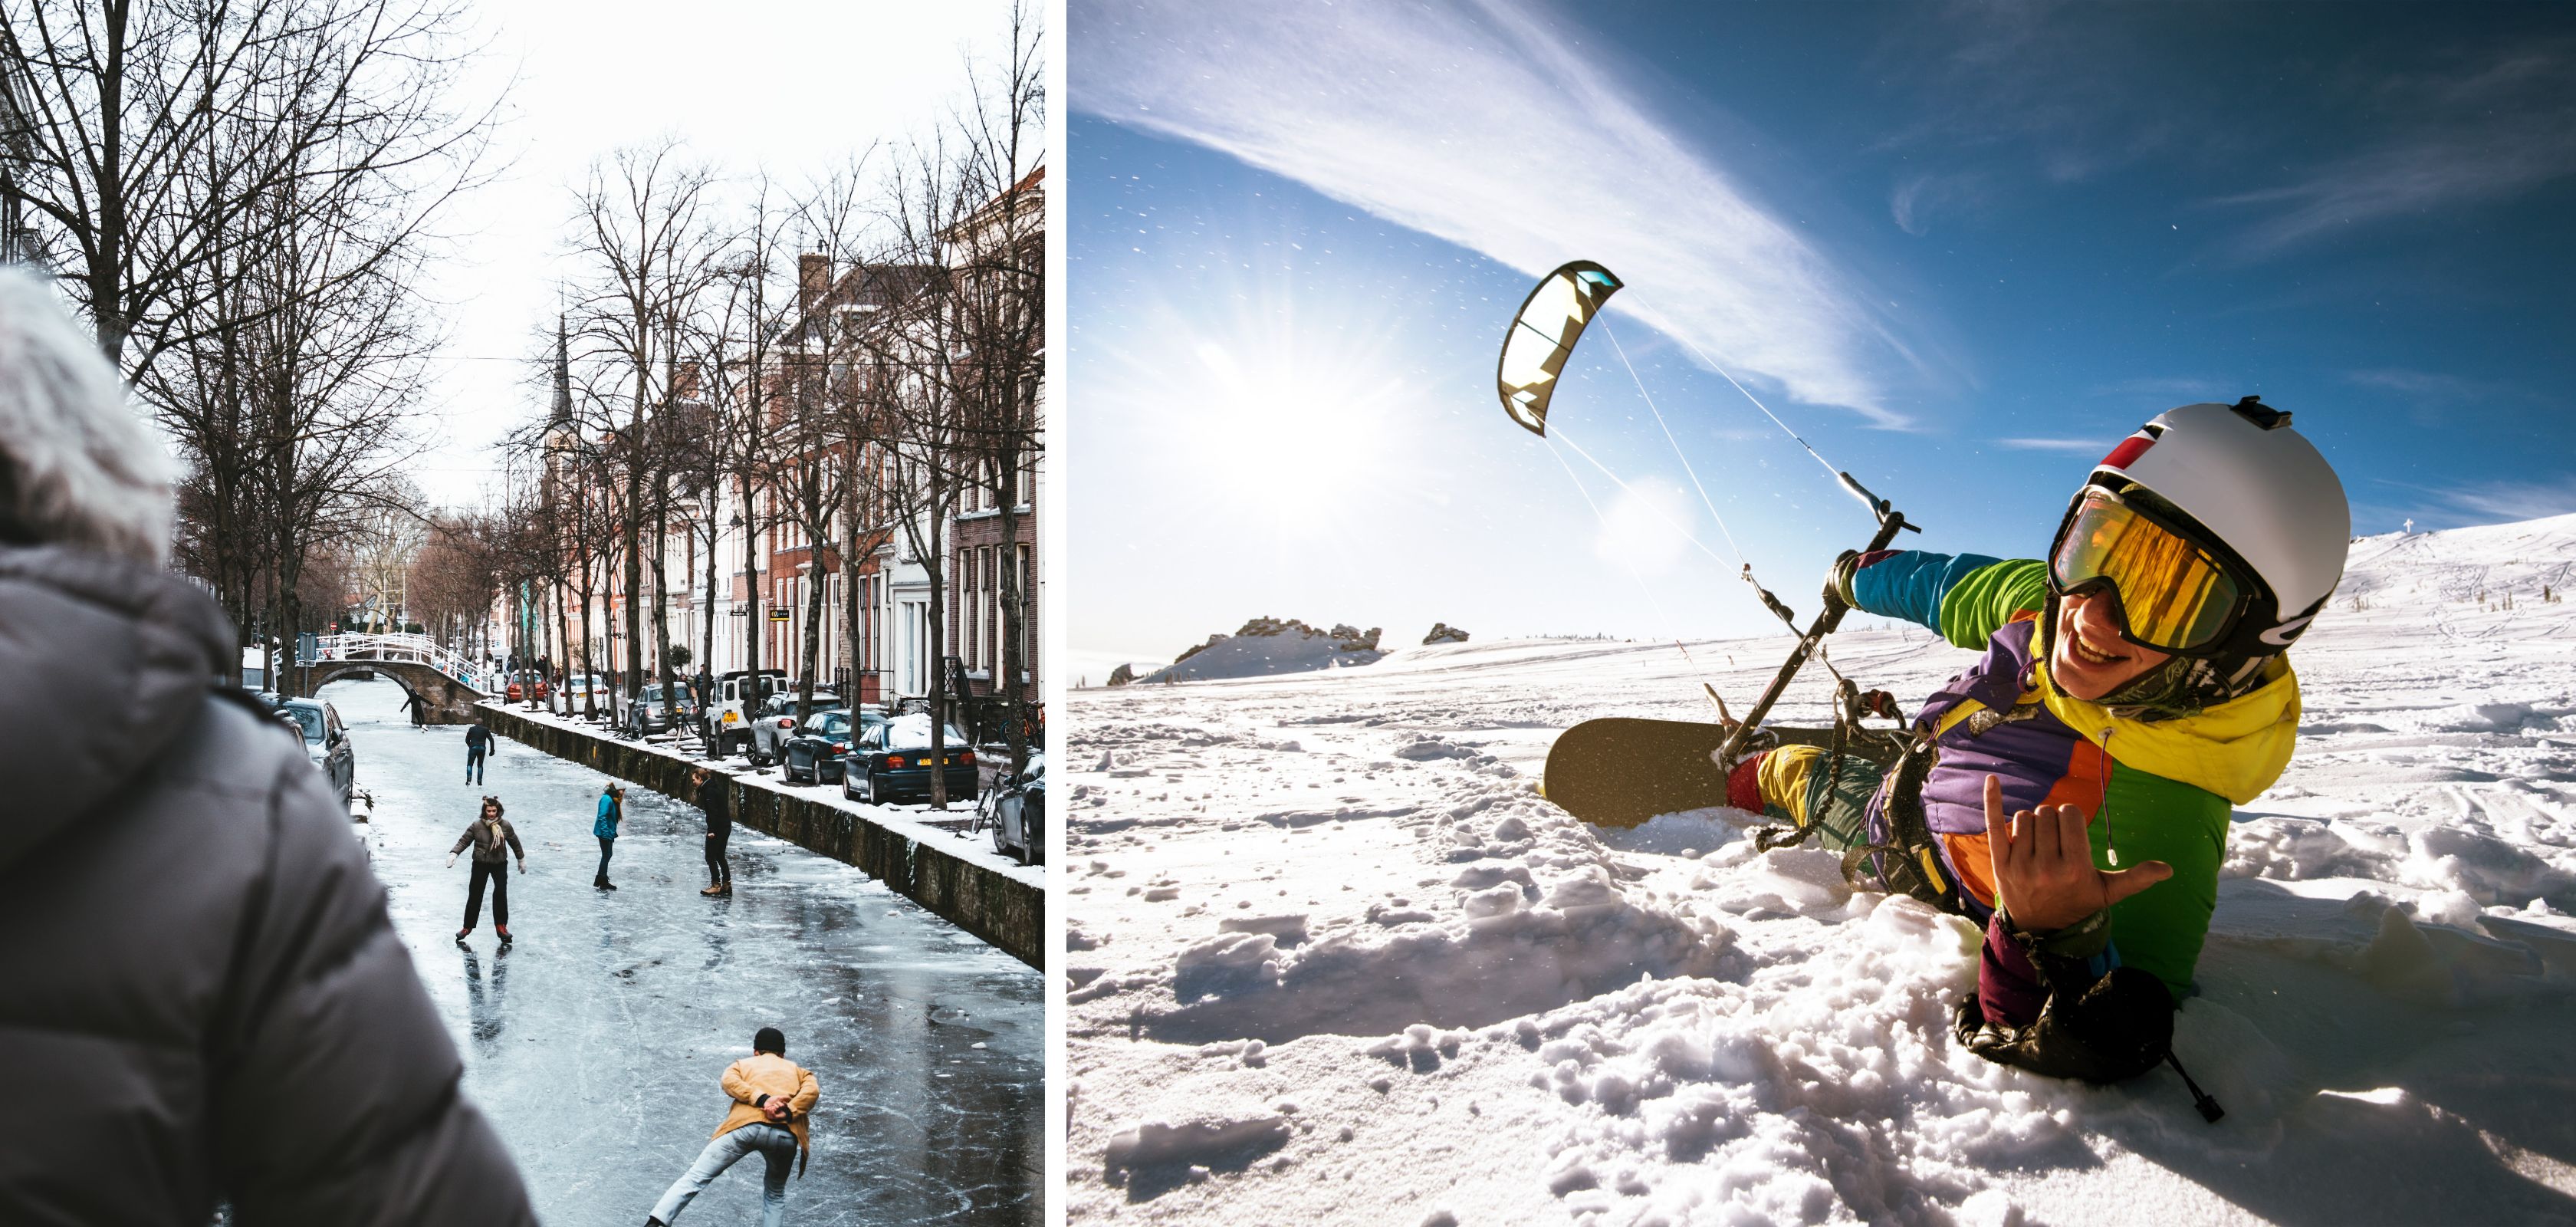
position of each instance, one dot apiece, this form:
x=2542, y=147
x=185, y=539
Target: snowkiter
x=492, y=840
x=772, y=1097
x=612, y=810
x=478, y=743
x=2071, y=790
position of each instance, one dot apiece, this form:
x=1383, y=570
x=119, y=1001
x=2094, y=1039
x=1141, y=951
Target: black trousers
x=500, y=875
x=717, y=873
x=606, y=845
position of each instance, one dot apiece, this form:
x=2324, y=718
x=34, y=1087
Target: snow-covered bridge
x=447, y=684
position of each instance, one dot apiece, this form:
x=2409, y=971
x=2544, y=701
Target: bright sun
x=1292, y=433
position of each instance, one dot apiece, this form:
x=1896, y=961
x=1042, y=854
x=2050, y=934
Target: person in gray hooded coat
x=205, y=998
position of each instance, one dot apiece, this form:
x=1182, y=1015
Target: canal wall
x=983, y=900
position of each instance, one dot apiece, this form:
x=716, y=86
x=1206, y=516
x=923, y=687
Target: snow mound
x=1194, y=1140
x=1506, y=939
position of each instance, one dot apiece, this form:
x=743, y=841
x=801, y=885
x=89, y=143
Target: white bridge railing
x=412, y=649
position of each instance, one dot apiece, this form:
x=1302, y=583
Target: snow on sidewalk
x=918, y=822
x=1332, y=959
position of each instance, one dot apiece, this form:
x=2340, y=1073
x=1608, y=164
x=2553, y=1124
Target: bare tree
x=650, y=253
x=159, y=135
x=998, y=252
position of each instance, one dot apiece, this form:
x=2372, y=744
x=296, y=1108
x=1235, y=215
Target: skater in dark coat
x=478, y=744
x=715, y=799
x=489, y=834
x=205, y=998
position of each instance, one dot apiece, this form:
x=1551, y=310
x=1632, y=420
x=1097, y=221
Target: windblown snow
x=1332, y=960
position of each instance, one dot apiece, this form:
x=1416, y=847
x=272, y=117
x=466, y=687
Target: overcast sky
x=1961, y=248
x=793, y=87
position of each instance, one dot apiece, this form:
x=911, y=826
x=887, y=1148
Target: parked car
x=326, y=742
x=647, y=714
x=776, y=722
x=738, y=699
x=578, y=690
x=1018, y=812
x=526, y=685
x=815, y=751
x=891, y=761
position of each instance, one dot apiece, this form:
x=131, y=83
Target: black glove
x=2117, y=1028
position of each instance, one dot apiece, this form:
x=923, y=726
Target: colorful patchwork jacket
x=2157, y=790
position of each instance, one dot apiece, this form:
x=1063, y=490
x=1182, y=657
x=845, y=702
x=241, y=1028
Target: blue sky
x=1961, y=249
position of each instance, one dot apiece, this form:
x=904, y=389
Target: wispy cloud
x=2176, y=390
x=2495, y=502
x=1919, y=197
x=2425, y=384
x=2057, y=445
x=1473, y=123
x=2433, y=397
x=2474, y=135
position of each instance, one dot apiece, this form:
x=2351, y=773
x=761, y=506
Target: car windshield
x=307, y=718
x=913, y=733
x=833, y=723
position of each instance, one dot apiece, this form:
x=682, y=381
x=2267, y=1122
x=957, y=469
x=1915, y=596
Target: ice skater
x=718, y=805
x=612, y=810
x=478, y=743
x=492, y=840
x=772, y=1097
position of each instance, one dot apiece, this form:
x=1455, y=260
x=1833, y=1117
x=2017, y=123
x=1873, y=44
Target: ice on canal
x=594, y=1043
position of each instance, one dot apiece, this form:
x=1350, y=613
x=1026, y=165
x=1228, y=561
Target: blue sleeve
x=1909, y=584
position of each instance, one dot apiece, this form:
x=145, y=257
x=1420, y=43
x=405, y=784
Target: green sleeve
x=1983, y=600
x=2145, y=818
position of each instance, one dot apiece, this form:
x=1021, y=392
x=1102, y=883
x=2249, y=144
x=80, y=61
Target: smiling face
x=2090, y=659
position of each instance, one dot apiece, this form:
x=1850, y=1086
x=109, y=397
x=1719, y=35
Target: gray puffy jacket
x=200, y=992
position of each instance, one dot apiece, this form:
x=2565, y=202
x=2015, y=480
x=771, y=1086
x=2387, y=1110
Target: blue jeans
x=775, y=1144
x=473, y=766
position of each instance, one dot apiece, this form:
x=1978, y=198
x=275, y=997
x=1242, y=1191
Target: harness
x=1909, y=860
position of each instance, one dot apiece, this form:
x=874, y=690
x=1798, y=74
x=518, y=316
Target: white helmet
x=2239, y=481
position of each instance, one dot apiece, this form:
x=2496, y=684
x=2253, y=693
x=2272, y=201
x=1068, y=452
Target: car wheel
x=1033, y=828
x=1001, y=846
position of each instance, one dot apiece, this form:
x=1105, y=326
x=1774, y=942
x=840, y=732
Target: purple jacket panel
x=2030, y=756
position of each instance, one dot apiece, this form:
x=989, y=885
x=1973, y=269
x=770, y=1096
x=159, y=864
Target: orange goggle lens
x=2174, y=595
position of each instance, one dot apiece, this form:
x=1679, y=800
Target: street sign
x=742, y=613
x=778, y=615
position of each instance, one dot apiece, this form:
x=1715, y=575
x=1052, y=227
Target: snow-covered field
x=1334, y=961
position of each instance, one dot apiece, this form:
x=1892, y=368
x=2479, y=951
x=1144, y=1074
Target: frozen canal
x=595, y=1042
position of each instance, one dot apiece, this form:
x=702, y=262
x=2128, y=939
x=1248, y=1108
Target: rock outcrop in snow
x=1266, y=646
x=1442, y=632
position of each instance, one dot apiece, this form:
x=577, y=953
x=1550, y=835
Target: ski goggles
x=2174, y=594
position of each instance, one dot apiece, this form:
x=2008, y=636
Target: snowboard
x=1620, y=771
